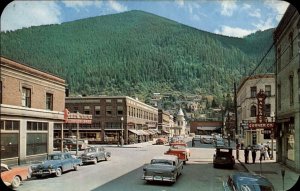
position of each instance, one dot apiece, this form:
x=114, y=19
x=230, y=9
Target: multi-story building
x=205, y=127
x=286, y=39
x=114, y=117
x=179, y=128
x=248, y=108
x=32, y=103
x=164, y=119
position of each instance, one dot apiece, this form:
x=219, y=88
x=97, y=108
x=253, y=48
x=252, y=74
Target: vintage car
x=70, y=143
x=161, y=141
x=163, y=168
x=223, y=157
x=240, y=181
x=56, y=164
x=14, y=176
x=180, y=150
x=94, y=154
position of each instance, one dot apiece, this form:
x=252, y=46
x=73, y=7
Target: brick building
x=32, y=103
x=113, y=116
x=205, y=127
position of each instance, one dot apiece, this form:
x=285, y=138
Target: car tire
x=16, y=182
x=76, y=167
x=58, y=172
x=95, y=161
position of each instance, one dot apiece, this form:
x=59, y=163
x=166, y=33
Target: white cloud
x=264, y=24
x=19, y=14
x=180, y=3
x=233, y=31
x=278, y=6
x=77, y=5
x=255, y=13
x=117, y=6
x=227, y=7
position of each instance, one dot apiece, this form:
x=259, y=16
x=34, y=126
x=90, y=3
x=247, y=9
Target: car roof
x=166, y=157
x=244, y=178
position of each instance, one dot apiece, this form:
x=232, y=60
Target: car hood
x=47, y=163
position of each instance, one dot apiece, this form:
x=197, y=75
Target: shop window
x=9, y=145
x=49, y=101
x=26, y=97
x=10, y=125
x=36, y=143
x=37, y=126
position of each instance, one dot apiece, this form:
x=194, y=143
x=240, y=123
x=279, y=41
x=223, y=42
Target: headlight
x=50, y=166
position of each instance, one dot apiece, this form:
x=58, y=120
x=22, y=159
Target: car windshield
x=179, y=147
x=91, y=149
x=253, y=187
x=54, y=157
x=161, y=161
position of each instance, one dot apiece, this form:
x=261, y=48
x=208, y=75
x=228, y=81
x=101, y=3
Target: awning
x=143, y=132
x=164, y=131
x=151, y=132
x=135, y=131
x=208, y=128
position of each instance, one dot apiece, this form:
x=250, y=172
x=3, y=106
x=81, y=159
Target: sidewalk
x=271, y=170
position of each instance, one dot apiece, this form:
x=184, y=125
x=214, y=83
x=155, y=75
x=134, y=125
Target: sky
x=236, y=18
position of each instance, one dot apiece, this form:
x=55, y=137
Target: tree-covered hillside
x=137, y=53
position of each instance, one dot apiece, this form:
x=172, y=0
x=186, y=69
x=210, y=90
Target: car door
x=66, y=162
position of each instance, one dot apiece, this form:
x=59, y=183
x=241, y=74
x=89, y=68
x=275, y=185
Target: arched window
x=253, y=111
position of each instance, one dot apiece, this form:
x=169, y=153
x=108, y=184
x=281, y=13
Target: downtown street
x=125, y=168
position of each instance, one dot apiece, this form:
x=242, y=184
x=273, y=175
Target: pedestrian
x=66, y=149
x=262, y=153
x=246, y=154
x=193, y=142
x=266, y=153
x=242, y=145
x=253, y=152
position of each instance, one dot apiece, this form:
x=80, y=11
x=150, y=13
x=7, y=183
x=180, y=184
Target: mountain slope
x=137, y=53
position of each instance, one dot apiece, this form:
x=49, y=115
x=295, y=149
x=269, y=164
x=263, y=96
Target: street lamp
x=122, y=139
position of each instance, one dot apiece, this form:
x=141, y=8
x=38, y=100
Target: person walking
x=253, y=152
x=246, y=154
x=262, y=153
x=266, y=153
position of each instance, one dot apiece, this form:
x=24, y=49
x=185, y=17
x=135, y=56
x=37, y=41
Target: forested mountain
x=137, y=53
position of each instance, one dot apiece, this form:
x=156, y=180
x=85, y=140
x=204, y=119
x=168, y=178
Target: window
x=108, y=100
x=97, y=110
x=268, y=90
x=279, y=58
x=268, y=110
x=10, y=125
x=279, y=96
x=9, y=145
x=291, y=90
x=120, y=110
x=108, y=110
x=253, y=91
x=36, y=143
x=119, y=101
x=86, y=109
x=253, y=111
x=37, y=126
x=26, y=97
x=291, y=52
x=76, y=109
x=49, y=101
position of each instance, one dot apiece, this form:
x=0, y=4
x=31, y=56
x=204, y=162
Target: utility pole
x=236, y=122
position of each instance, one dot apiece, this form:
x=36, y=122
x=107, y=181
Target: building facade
x=164, y=119
x=205, y=127
x=248, y=108
x=32, y=103
x=179, y=128
x=113, y=117
x=286, y=39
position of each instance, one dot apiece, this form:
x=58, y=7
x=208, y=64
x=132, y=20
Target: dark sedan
x=223, y=157
x=241, y=181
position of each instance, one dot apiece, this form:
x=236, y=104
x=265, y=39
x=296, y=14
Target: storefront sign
x=261, y=125
x=260, y=117
x=77, y=118
x=266, y=131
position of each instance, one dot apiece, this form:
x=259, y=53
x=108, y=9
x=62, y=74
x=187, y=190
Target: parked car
x=161, y=141
x=56, y=164
x=163, y=168
x=207, y=139
x=223, y=157
x=13, y=177
x=197, y=138
x=70, y=143
x=219, y=143
x=180, y=150
x=95, y=154
x=241, y=181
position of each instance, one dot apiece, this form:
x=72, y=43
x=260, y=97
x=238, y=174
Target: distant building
x=248, y=107
x=112, y=117
x=164, y=119
x=180, y=124
x=286, y=39
x=32, y=104
x=205, y=127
